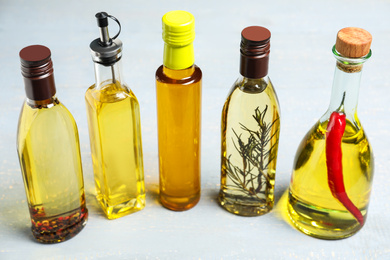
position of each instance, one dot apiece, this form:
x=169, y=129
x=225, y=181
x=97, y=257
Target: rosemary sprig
x=252, y=176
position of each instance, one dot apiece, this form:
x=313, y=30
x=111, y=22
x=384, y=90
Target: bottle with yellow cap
x=178, y=87
x=334, y=164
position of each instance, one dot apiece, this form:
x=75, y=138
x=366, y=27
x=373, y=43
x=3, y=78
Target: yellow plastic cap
x=178, y=28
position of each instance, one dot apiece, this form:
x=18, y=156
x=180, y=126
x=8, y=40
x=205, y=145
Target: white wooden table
x=301, y=68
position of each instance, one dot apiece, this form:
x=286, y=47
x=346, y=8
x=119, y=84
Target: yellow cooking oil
x=179, y=96
x=49, y=153
x=311, y=205
x=250, y=134
x=115, y=137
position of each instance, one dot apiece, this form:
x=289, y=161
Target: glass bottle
x=250, y=131
x=178, y=87
x=114, y=129
x=334, y=164
x=49, y=153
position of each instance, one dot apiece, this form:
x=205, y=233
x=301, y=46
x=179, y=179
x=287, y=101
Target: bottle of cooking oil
x=250, y=131
x=49, y=153
x=114, y=129
x=178, y=87
x=334, y=165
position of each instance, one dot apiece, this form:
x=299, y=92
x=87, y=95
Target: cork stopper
x=353, y=42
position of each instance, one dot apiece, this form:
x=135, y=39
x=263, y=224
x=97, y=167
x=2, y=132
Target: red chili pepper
x=335, y=131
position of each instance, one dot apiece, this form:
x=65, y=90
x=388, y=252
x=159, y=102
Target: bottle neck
x=254, y=67
x=46, y=103
x=345, y=90
x=346, y=84
x=179, y=74
x=253, y=86
x=106, y=75
x=178, y=57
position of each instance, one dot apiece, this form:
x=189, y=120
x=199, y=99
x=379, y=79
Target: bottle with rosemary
x=250, y=131
x=334, y=164
x=49, y=153
x=114, y=129
x=178, y=89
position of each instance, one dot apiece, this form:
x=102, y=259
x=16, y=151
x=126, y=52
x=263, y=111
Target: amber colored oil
x=247, y=181
x=115, y=136
x=48, y=149
x=311, y=206
x=179, y=123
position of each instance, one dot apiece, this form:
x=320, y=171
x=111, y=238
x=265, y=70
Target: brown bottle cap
x=37, y=71
x=255, y=49
x=353, y=42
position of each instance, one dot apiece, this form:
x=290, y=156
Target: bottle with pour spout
x=334, y=164
x=114, y=129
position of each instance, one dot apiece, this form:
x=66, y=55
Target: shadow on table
x=16, y=220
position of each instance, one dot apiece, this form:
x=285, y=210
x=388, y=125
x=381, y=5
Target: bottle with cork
x=179, y=93
x=334, y=164
x=49, y=153
x=250, y=131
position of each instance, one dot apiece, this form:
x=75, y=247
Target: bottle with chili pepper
x=334, y=164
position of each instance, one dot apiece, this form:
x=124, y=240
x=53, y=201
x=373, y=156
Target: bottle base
x=179, y=203
x=122, y=209
x=241, y=206
x=61, y=228
x=321, y=223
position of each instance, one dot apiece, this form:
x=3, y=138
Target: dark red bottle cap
x=37, y=71
x=255, y=49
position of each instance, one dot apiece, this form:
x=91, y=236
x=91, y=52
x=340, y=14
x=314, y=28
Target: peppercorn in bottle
x=49, y=153
x=334, y=165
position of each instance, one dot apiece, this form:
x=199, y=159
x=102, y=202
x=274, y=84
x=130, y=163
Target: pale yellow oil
x=49, y=154
x=115, y=137
x=311, y=206
x=179, y=120
x=248, y=178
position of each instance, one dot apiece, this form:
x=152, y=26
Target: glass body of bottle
x=315, y=205
x=178, y=88
x=49, y=154
x=115, y=137
x=250, y=134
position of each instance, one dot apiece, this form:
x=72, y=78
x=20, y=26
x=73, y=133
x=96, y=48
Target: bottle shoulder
x=44, y=119
x=181, y=77
x=353, y=132
x=253, y=89
x=52, y=110
x=110, y=93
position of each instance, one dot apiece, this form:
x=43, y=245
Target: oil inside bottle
x=250, y=133
x=311, y=206
x=113, y=117
x=179, y=119
x=48, y=148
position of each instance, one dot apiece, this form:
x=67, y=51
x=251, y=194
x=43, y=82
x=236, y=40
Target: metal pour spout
x=102, y=21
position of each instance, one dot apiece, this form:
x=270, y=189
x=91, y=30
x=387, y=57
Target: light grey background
x=301, y=68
